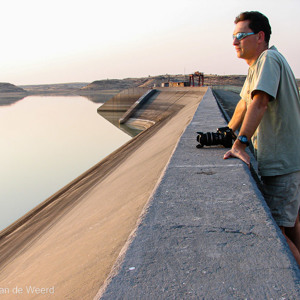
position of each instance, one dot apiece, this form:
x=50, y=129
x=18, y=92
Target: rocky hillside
x=10, y=88
x=111, y=84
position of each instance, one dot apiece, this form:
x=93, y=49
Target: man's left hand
x=238, y=151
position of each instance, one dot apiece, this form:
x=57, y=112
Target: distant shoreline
x=112, y=85
x=99, y=86
x=100, y=91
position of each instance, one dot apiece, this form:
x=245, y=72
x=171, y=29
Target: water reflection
x=46, y=142
x=100, y=97
x=10, y=99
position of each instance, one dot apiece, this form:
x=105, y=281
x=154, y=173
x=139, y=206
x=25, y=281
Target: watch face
x=243, y=139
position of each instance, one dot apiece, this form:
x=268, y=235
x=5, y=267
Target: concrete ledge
x=136, y=105
x=207, y=233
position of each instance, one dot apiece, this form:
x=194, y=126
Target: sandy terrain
x=69, y=244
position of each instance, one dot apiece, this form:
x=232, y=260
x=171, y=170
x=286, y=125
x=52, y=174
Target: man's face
x=246, y=47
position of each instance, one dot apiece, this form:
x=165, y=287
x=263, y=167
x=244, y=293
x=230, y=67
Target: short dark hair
x=258, y=22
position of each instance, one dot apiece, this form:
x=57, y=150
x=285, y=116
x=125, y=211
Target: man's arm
x=238, y=115
x=252, y=118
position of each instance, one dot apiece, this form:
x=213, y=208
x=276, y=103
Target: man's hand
x=238, y=151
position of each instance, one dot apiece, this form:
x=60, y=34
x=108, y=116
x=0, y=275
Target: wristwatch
x=243, y=139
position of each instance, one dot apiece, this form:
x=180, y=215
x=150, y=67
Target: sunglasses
x=241, y=35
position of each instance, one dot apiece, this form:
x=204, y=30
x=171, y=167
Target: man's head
x=251, y=35
x=257, y=22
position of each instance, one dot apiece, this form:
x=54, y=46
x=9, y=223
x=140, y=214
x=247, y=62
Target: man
x=269, y=114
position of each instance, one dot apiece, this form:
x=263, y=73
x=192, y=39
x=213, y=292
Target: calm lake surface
x=46, y=142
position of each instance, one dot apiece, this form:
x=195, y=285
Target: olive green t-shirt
x=277, y=138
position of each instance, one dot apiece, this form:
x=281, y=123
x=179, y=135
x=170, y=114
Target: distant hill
x=10, y=88
x=112, y=84
x=10, y=93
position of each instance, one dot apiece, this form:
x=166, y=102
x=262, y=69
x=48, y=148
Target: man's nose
x=235, y=41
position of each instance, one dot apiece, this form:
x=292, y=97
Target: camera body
x=224, y=136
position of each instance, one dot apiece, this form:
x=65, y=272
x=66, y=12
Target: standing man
x=269, y=114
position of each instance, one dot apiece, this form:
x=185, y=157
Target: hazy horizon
x=64, y=41
x=133, y=77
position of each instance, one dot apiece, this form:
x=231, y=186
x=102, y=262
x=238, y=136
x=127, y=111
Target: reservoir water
x=46, y=142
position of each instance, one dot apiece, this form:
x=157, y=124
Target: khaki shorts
x=282, y=194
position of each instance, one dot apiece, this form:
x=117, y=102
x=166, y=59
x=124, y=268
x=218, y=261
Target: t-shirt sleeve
x=243, y=93
x=268, y=75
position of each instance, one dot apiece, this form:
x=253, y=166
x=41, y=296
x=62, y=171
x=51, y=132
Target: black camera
x=224, y=136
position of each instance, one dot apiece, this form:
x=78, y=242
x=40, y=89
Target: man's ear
x=261, y=36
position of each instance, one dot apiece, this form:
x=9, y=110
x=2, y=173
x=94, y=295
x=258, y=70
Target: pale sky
x=61, y=41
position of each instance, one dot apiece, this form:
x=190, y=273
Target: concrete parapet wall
x=207, y=232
